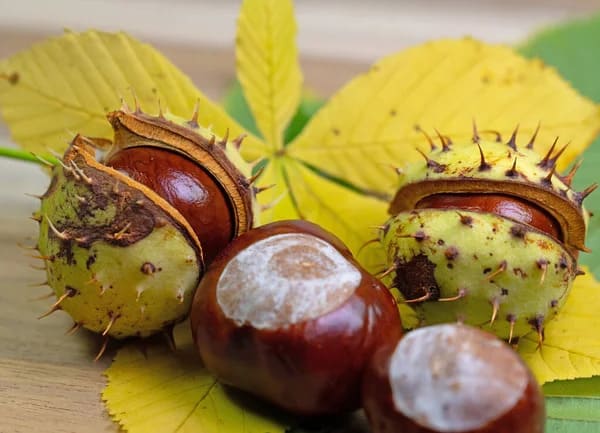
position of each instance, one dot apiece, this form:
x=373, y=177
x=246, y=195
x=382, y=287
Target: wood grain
x=48, y=381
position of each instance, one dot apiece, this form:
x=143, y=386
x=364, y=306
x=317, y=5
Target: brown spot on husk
x=90, y=261
x=416, y=278
x=131, y=223
x=518, y=231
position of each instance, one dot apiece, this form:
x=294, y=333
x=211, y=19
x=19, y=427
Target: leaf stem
x=24, y=155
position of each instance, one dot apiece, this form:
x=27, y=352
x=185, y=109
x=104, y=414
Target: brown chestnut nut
x=451, y=378
x=202, y=177
x=286, y=313
x=187, y=186
x=515, y=208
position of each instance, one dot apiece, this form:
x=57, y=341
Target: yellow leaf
x=267, y=64
x=170, y=392
x=66, y=85
x=351, y=216
x=571, y=347
x=444, y=84
x=299, y=192
x=275, y=199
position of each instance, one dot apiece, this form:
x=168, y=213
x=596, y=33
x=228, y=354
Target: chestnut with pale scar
x=451, y=378
x=286, y=313
x=285, y=279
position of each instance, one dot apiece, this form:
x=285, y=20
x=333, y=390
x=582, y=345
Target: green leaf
x=572, y=415
x=66, y=85
x=587, y=175
x=267, y=65
x=237, y=107
x=574, y=49
x=587, y=387
x=309, y=105
x=573, y=406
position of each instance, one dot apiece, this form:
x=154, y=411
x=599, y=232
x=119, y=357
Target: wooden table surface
x=48, y=381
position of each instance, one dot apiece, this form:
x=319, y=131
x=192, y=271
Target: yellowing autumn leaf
x=267, y=65
x=351, y=216
x=276, y=199
x=445, y=85
x=571, y=347
x=66, y=85
x=170, y=392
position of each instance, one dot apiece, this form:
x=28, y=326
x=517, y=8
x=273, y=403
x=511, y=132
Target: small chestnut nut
x=451, y=378
x=286, y=313
x=514, y=208
x=187, y=186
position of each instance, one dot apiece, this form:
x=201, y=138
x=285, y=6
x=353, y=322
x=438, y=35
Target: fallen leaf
x=443, y=85
x=160, y=390
x=67, y=84
x=571, y=347
x=352, y=216
x=171, y=392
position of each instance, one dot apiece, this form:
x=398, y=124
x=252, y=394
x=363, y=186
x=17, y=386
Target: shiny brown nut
x=515, y=208
x=451, y=378
x=187, y=186
x=286, y=313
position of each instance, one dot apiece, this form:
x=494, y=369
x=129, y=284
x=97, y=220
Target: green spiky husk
x=118, y=263
x=477, y=259
x=120, y=259
x=488, y=270
x=495, y=167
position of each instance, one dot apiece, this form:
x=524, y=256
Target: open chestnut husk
x=127, y=227
x=451, y=378
x=488, y=232
x=286, y=313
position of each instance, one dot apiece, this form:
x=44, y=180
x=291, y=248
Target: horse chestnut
x=202, y=178
x=125, y=238
x=286, y=313
x=451, y=378
x=514, y=208
x=187, y=186
x=486, y=232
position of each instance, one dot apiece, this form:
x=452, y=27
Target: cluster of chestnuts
x=483, y=233
x=285, y=312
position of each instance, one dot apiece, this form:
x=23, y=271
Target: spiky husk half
x=479, y=267
x=121, y=260
x=487, y=166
